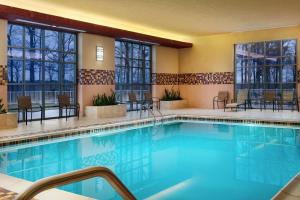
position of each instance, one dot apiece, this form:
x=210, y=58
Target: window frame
x=265, y=65
x=129, y=87
x=61, y=83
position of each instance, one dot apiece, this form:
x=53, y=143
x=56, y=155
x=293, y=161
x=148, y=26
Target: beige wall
x=3, y=58
x=87, y=44
x=215, y=53
x=165, y=60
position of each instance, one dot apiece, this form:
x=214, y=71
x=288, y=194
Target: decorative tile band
x=77, y=131
x=3, y=74
x=193, y=78
x=206, y=78
x=96, y=77
x=165, y=79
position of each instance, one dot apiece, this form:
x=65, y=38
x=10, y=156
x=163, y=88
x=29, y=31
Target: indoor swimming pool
x=176, y=160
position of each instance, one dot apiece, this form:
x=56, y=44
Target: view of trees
x=41, y=63
x=133, y=69
x=269, y=65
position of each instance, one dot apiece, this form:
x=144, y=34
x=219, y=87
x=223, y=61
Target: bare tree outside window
x=266, y=66
x=42, y=63
x=132, y=69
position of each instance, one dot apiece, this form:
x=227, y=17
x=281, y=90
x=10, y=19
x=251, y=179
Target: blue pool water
x=182, y=160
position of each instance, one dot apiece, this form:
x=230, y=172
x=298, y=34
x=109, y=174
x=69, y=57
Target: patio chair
x=288, y=97
x=64, y=102
x=151, y=101
x=25, y=106
x=222, y=97
x=132, y=99
x=268, y=97
x=241, y=100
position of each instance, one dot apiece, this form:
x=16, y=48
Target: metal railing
x=150, y=110
x=75, y=176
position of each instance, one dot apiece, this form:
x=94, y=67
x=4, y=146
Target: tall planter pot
x=170, y=105
x=98, y=112
x=8, y=120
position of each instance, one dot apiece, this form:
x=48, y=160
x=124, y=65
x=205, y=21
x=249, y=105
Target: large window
x=262, y=66
x=41, y=64
x=133, y=69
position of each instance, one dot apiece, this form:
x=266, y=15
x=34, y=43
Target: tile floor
x=61, y=124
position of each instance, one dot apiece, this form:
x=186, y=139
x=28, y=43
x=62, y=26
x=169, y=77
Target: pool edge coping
x=6, y=141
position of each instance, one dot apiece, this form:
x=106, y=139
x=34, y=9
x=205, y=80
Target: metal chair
x=151, y=101
x=222, y=97
x=65, y=102
x=132, y=99
x=268, y=97
x=288, y=97
x=241, y=100
x=25, y=105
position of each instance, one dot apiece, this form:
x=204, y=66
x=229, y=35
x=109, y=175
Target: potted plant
x=172, y=100
x=105, y=106
x=7, y=120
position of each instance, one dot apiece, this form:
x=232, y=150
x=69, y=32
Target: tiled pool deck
x=54, y=125
x=60, y=128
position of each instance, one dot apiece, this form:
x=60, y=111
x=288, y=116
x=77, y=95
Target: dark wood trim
x=12, y=13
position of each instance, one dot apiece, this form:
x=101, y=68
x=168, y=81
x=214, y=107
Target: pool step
x=291, y=191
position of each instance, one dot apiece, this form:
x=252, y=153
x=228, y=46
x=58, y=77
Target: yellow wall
x=165, y=60
x=3, y=58
x=87, y=52
x=87, y=44
x=215, y=53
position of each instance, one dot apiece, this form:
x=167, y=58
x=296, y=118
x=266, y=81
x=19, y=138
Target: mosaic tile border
x=96, y=77
x=210, y=78
x=206, y=78
x=165, y=79
x=3, y=74
x=27, y=138
x=298, y=76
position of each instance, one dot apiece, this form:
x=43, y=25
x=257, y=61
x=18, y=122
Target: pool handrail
x=75, y=176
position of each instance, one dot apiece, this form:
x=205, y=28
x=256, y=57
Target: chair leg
x=260, y=106
x=66, y=114
x=41, y=116
x=26, y=117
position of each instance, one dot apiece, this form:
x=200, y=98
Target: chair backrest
x=242, y=96
x=132, y=97
x=24, y=102
x=223, y=95
x=287, y=95
x=148, y=96
x=63, y=100
x=269, y=95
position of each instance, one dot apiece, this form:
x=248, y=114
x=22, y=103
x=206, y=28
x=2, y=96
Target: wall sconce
x=99, y=53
